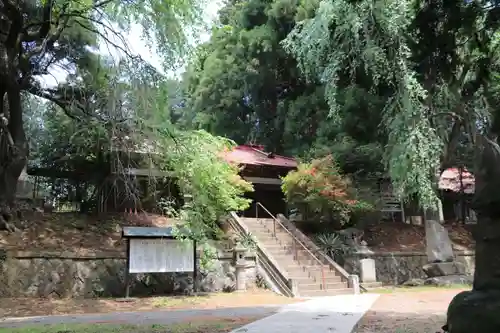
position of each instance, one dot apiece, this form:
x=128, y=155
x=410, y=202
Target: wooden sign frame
x=138, y=233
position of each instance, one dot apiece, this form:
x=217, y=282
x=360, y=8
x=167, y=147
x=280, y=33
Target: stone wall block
x=69, y=275
x=394, y=268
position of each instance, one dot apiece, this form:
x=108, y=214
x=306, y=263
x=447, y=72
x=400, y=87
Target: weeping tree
x=436, y=65
x=42, y=39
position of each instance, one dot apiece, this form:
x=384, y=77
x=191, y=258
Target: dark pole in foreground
x=478, y=310
x=127, y=271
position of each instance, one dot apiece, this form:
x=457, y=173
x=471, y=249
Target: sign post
x=155, y=250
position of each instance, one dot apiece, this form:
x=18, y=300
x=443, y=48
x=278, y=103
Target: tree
x=243, y=85
x=434, y=66
x=38, y=36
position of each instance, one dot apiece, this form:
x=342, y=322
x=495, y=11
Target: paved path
x=335, y=314
x=164, y=317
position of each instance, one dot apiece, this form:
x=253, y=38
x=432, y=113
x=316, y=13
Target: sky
x=139, y=47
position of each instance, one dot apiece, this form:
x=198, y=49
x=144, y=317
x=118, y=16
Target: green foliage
x=207, y=258
x=248, y=241
x=319, y=188
x=333, y=245
x=243, y=85
x=428, y=63
x=214, y=186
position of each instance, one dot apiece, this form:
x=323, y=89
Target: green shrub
x=320, y=192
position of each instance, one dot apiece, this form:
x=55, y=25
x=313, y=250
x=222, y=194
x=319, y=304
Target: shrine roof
x=255, y=155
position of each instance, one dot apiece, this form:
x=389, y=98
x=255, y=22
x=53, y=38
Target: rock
x=474, y=311
x=414, y=283
x=449, y=280
x=444, y=268
x=438, y=243
x=220, y=277
x=351, y=236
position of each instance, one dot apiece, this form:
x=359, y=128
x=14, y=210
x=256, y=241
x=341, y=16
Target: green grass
x=397, y=289
x=197, y=326
x=163, y=302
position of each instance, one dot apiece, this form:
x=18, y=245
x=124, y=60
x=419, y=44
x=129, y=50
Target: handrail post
x=274, y=227
x=323, y=277
x=296, y=250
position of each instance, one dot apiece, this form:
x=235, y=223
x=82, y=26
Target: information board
x=160, y=255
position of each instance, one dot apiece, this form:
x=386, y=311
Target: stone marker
x=367, y=270
x=438, y=243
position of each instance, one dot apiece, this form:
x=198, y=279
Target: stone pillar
x=367, y=270
x=240, y=265
x=353, y=283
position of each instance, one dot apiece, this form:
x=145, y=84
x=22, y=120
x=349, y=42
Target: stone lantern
x=240, y=265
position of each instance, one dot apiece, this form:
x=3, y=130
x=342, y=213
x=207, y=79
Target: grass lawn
x=197, y=325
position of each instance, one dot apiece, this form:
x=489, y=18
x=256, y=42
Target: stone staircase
x=310, y=277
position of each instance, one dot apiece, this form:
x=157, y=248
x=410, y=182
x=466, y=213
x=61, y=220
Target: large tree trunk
x=478, y=310
x=13, y=151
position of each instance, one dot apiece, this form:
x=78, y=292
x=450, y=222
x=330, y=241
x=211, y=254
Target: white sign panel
x=160, y=256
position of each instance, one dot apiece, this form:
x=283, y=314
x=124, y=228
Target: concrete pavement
x=338, y=314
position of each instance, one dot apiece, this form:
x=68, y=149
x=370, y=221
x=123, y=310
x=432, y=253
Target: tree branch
x=44, y=30
x=14, y=14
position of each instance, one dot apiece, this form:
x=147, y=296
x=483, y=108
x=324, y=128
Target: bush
x=320, y=192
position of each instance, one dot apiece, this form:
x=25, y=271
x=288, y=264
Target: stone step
x=267, y=237
x=250, y=221
x=309, y=269
x=306, y=271
x=304, y=279
x=328, y=292
x=302, y=259
x=317, y=286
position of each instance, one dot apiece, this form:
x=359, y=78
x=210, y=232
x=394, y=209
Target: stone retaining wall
x=72, y=274
x=397, y=267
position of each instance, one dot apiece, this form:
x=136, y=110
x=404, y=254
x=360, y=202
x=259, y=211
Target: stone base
x=474, y=312
x=444, y=269
x=440, y=281
x=449, y=280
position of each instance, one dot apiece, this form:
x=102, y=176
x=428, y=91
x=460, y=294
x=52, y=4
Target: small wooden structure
x=457, y=186
x=120, y=181
x=391, y=206
x=264, y=170
x=156, y=250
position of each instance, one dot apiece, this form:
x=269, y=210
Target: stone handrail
x=313, y=247
x=280, y=277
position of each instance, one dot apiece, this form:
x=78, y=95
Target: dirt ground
x=408, y=312
x=388, y=236
x=195, y=325
x=25, y=307
x=82, y=234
